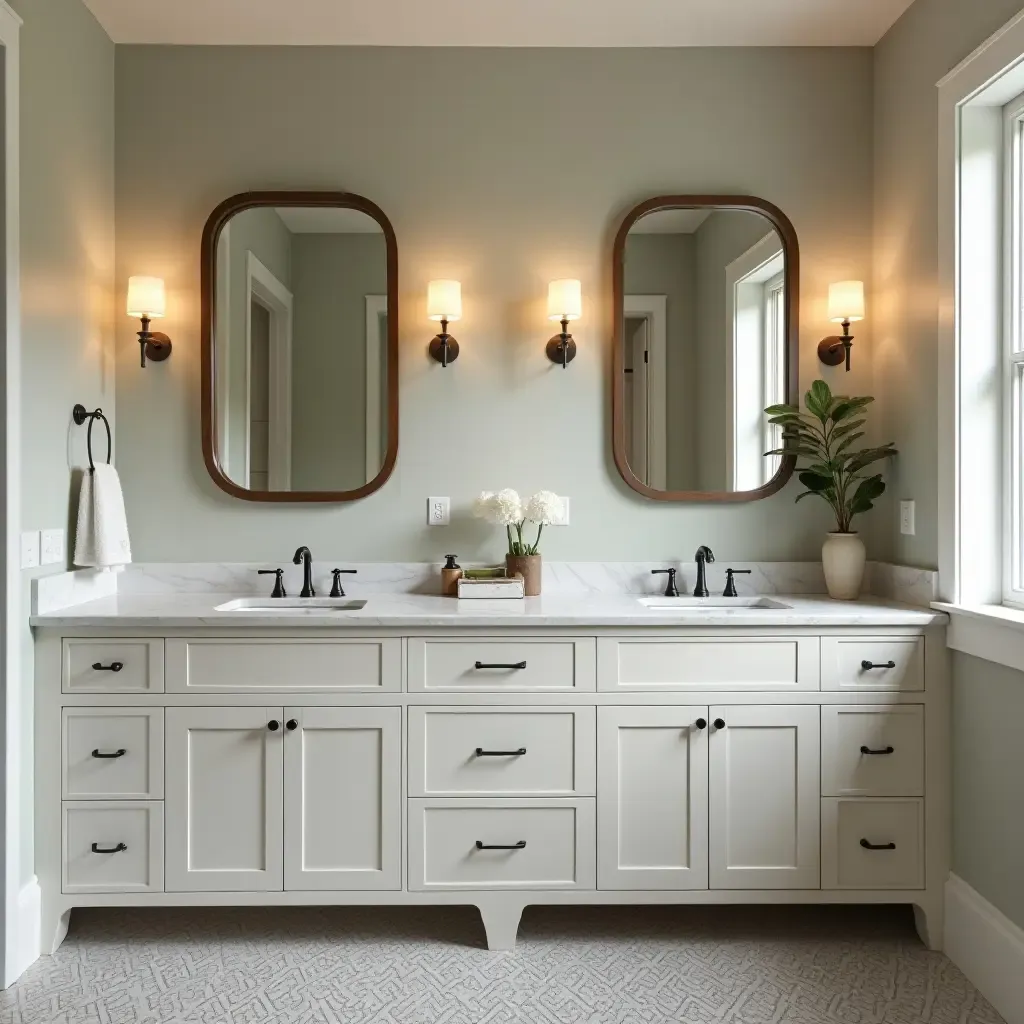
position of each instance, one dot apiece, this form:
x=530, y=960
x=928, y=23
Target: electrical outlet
x=564, y=521
x=30, y=549
x=907, y=516
x=439, y=511
x=51, y=547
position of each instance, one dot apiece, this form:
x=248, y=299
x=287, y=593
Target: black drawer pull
x=120, y=848
x=519, y=665
x=521, y=845
x=877, y=846
x=116, y=753
x=114, y=666
x=868, y=750
x=480, y=752
x=866, y=666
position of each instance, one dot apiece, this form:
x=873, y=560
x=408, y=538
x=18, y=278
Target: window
x=1013, y=351
x=774, y=366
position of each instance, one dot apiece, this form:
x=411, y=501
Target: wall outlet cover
x=907, y=518
x=51, y=547
x=30, y=549
x=564, y=521
x=439, y=511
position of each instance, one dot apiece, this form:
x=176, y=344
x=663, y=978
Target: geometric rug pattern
x=429, y=965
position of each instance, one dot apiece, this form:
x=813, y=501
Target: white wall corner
x=987, y=946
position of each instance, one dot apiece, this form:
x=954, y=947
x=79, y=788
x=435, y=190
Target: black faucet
x=671, y=590
x=305, y=559
x=703, y=556
x=338, y=590
x=730, y=582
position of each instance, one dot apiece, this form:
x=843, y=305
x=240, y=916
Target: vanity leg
x=929, y=921
x=54, y=930
x=501, y=916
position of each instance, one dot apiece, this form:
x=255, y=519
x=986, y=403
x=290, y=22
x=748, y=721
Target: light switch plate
x=439, y=511
x=30, y=549
x=907, y=517
x=51, y=547
x=564, y=521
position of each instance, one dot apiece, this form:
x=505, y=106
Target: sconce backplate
x=831, y=350
x=158, y=353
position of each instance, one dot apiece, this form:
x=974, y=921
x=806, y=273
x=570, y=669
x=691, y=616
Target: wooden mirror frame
x=208, y=271
x=791, y=251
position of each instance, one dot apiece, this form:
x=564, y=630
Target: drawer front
x=896, y=826
x=133, y=835
x=113, y=753
x=113, y=666
x=221, y=665
x=735, y=663
x=545, y=844
x=872, y=663
x=872, y=750
x=528, y=664
x=470, y=751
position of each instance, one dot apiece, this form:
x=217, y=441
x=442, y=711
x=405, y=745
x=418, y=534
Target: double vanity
x=214, y=750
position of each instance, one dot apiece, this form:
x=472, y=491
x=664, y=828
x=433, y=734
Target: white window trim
x=971, y=311
x=376, y=307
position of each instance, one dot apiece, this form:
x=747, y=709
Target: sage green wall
x=664, y=265
x=67, y=264
x=543, y=151
x=332, y=275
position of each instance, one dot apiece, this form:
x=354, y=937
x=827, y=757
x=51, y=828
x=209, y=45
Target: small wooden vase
x=529, y=567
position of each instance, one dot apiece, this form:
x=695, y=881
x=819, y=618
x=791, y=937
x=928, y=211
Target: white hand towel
x=101, y=537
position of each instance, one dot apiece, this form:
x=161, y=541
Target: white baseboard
x=24, y=937
x=987, y=946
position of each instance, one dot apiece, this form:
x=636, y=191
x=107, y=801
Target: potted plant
x=506, y=508
x=832, y=469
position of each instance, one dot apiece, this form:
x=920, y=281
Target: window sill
x=989, y=631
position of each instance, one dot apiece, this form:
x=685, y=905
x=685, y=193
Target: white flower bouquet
x=506, y=508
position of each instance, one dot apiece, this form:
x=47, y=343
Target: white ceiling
x=320, y=220
x=501, y=22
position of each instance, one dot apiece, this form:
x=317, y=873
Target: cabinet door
x=652, y=790
x=765, y=797
x=223, y=805
x=343, y=798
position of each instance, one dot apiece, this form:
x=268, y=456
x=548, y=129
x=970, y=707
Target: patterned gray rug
x=726, y=965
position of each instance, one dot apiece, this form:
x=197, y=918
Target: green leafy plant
x=823, y=438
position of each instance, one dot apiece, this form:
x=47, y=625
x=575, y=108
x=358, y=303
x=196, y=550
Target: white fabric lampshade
x=565, y=300
x=846, y=301
x=146, y=297
x=444, y=300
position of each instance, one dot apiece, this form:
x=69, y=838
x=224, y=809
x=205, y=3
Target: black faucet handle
x=671, y=590
x=337, y=590
x=730, y=583
x=279, y=590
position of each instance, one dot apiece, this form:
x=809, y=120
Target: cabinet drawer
x=548, y=844
x=528, y=664
x=113, y=666
x=872, y=663
x=736, y=663
x=895, y=825
x=872, y=750
x=470, y=751
x=219, y=665
x=113, y=753
x=134, y=832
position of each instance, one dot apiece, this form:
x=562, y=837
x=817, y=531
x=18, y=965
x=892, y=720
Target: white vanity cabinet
x=499, y=766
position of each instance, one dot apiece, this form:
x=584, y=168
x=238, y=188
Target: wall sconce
x=146, y=300
x=565, y=303
x=845, y=305
x=444, y=303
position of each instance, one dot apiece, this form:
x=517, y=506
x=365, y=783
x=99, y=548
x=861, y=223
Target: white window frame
x=975, y=506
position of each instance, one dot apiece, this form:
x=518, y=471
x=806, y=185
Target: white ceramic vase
x=843, y=557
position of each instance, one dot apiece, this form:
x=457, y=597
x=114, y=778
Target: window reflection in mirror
x=705, y=338
x=300, y=348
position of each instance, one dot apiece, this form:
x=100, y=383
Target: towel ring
x=80, y=414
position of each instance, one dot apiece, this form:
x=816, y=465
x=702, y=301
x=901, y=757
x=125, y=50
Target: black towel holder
x=80, y=414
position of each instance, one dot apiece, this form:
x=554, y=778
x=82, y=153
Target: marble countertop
x=418, y=611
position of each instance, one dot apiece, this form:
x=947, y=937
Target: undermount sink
x=292, y=605
x=717, y=604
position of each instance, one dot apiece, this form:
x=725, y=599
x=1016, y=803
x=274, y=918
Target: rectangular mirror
x=705, y=338
x=300, y=320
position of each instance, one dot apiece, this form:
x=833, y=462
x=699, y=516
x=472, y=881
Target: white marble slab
x=65, y=589
x=903, y=583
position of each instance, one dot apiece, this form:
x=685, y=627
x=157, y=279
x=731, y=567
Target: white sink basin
x=291, y=605
x=717, y=604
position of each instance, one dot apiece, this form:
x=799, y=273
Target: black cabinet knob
x=719, y=723
x=273, y=725
x=291, y=725
x=701, y=723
